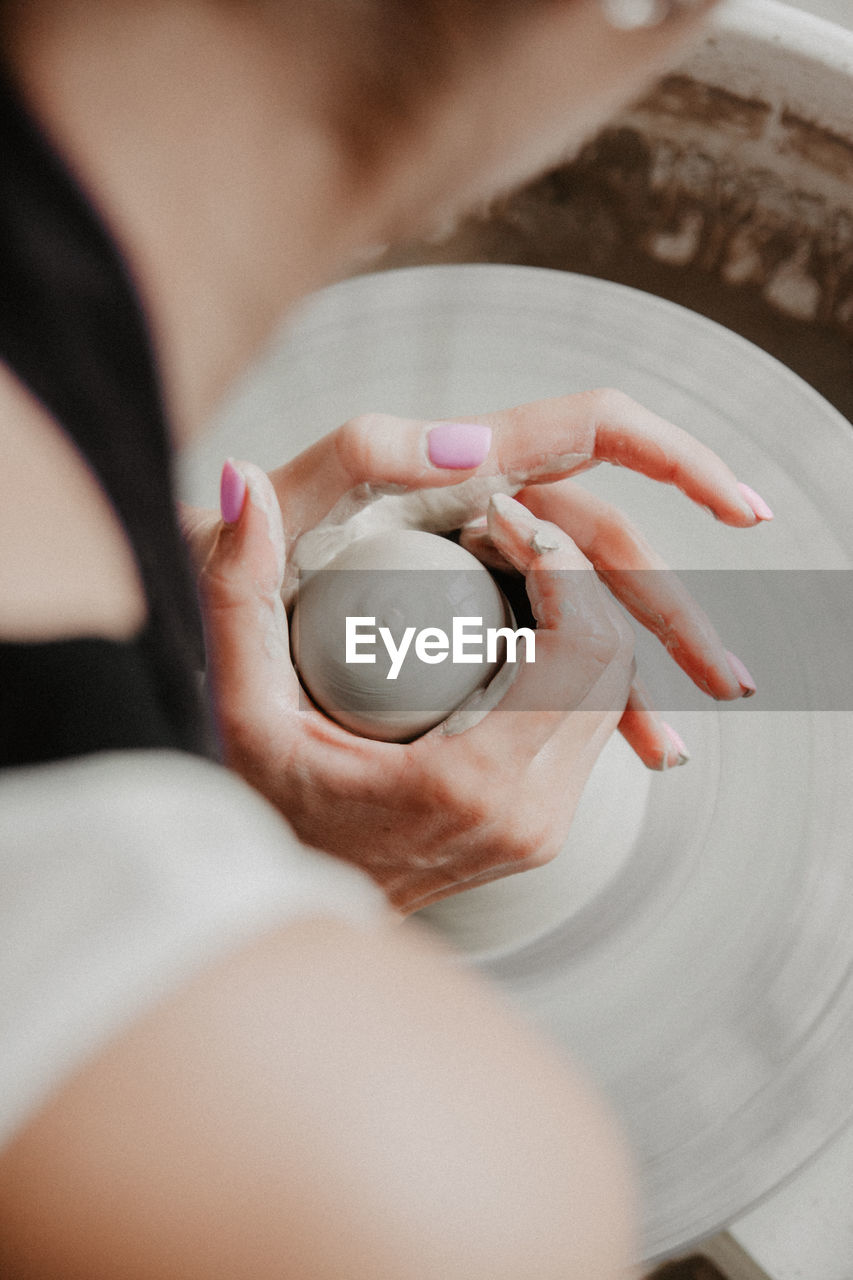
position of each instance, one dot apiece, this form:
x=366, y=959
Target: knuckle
x=545, y=851
x=465, y=795
x=471, y=803
x=525, y=843
x=611, y=403
x=224, y=592
x=214, y=585
x=611, y=654
x=611, y=639
x=625, y=542
x=356, y=445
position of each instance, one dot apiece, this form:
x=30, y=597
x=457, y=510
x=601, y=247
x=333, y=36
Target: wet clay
x=398, y=582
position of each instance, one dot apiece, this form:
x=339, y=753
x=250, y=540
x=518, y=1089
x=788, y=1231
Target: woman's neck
x=205, y=148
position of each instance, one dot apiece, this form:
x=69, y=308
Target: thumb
x=245, y=624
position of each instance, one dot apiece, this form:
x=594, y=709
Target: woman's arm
x=326, y=1103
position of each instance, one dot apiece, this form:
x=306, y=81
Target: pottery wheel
x=693, y=944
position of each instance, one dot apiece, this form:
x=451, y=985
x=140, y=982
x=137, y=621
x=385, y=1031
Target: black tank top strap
x=72, y=330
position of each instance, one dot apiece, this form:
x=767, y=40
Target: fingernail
x=459, y=446
x=678, y=742
x=505, y=506
x=756, y=502
x=741, y=674
x=232, y=493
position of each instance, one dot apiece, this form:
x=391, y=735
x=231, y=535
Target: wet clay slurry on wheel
x=774, y=266
x=736, y=204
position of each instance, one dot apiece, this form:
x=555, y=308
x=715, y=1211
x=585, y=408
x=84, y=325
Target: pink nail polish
x=232, y=493
x=678, y=742
x=756, y=502
x=741, y=674
x=459, y=446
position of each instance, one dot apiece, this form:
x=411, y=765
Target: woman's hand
x=429, y=818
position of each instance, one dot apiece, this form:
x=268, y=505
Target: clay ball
x=402, y=580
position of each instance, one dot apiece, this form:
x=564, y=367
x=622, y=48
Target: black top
x=72, y=330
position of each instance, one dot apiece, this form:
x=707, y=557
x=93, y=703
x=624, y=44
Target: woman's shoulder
x=241, y=1086
x=66, y=567
x=121, y=875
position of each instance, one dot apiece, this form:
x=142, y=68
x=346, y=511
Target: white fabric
x=120, y=876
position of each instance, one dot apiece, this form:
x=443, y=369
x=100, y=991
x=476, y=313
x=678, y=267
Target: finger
x=199, y=527
x=264, y=714
x=552, y=439
x=245, y=624
x=372, y=455
x=565, y=594
x=638, y=577
x=656, y=743
x=582, y=650
x=475, y=537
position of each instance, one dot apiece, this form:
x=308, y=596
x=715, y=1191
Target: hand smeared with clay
x=475, y=800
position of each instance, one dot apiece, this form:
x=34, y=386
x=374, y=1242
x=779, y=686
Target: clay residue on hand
x=480, y=703
x=439, y=510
